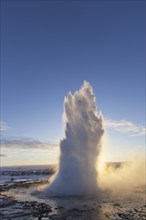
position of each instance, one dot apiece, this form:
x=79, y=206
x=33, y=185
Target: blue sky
x=49, y=48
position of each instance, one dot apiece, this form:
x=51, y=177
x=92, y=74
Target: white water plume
x=79, y=150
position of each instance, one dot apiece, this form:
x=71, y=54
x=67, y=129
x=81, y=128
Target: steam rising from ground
x=81, y=146
x=124, y=179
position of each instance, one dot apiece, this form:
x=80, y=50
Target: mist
x=121, y=181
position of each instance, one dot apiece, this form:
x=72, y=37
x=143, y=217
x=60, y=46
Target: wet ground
x=18, y=201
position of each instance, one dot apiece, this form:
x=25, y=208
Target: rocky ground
x=14, y=209
x=19, y=200
x=88, y=208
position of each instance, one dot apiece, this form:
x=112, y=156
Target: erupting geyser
x=79, y=150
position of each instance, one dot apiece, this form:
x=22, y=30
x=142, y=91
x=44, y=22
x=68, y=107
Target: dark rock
x=106, y=214
x=75, y=210
x=117, y=204
x=53, y=217
x=60, y=207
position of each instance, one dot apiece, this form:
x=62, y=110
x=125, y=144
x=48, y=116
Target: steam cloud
x=122, y=181
x=77, y=174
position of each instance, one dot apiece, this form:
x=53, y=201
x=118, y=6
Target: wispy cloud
x=3, y=155
x=3, y=126
x=26, y=143
x=140, y=147
x=124, y=126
